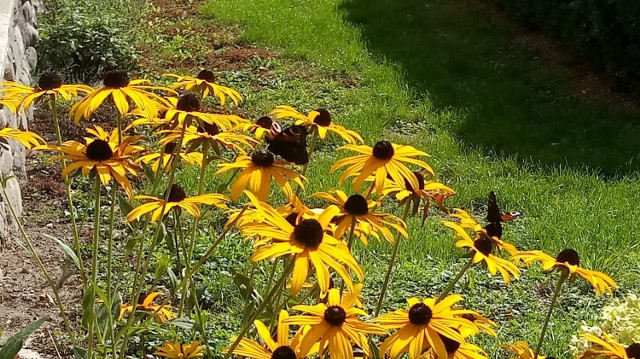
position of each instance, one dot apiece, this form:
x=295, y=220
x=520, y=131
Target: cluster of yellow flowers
x=314, y=245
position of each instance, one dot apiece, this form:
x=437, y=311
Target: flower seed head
x=188, y=103
x=207, y=75
x=283, y=352
x=568, y=256
x=323, y=118
x=420, y=314
x=49, y=81
x=169, y=148
x=99, y=150
x=262, y=158
x=176, y=194
x=335, y=315
x=356, y=205
x=309, y=232
x=116, y=79
x=383, y=150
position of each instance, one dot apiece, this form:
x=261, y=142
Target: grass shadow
x=512, y=103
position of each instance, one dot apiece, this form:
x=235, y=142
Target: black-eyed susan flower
x=257, y=172
x=263, y=127
x=468, y=222
x=307, y=242
x=26, y=138
x=383, y=160
x=359, y=211
x=456, y=350
x=317, y=120
x=160, y=312
x=282, y=348
x=49, y=84
x=522, y=350
x=10, y=103
x=210, y=134
x=481, y=250
x=187, y=108
x=101, y=154
x=177, y=199
x=121, y=90
x=426, y=191
x=422, y=326
x=164, y=158
x=607, y=347
x=484, y=324
x=177, y=350
x=205, y=84
x=335, y=323
x=568, y=261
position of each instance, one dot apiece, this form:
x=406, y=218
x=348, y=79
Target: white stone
x=29, y=13
x=31, y=56
x=14, y=196
x=29, y=35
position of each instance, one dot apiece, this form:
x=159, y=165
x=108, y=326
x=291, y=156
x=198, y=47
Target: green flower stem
x=110, y=292
x=202, y=326
x=142, y=269
x=119, y=117
x=564, y=274
x=276, y=298
x=394, y=254
x=455, y=280
x=256, y=314
x=74, y=226
x=35, y=255
x=94, y=262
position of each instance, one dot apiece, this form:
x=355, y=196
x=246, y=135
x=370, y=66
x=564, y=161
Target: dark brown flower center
x=210, y=128
x=116, y=79
x=383, y=150
x=264, y=122
x=188, y=103
x=335, y=315
x=49, y=81
x=356, y=205
x=568, y=256
x=283, y=352
x=169, y=148
x=323, y=118
x=176, y=194
x=633, y=351
x=207, y=75
x=494, y=229
x=420, y=314
x=450, y=344
x=483, y=245
x=420, y=179
x=309, y=232
x=262, y=159
x=99, y=150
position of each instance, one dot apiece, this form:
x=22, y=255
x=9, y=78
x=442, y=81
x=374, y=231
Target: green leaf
x=79, y=353
x=88, y=301
x=184, y=323
x=13, y=345
x=125, y=205
x=65, y=247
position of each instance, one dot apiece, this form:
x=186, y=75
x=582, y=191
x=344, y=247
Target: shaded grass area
x=401, y=86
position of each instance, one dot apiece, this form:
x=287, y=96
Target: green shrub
x=79, y=39
x=606, y=32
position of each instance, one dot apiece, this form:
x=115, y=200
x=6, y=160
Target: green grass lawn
x=447, y=79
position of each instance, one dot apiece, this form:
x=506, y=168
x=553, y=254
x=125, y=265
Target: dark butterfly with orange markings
x=495, y=217
x=291, y=144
